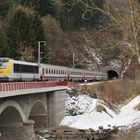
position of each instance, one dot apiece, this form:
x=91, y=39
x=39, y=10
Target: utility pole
x=73, y=59
x=39, y=45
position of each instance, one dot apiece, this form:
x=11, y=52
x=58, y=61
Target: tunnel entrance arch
x=112, y=74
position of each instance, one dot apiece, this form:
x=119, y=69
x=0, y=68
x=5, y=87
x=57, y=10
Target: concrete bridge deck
x=28, y=105
x=24, y=88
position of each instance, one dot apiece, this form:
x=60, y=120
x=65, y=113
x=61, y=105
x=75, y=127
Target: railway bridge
x=26, y=106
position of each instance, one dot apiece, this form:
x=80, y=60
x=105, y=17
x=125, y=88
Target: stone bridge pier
x=21, y=115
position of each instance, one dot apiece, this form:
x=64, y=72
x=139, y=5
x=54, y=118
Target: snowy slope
x=87, y=117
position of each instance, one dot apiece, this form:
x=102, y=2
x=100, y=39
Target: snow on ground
x=91, y=83
x=95, y=83
x=41, y=138
x=86, y=116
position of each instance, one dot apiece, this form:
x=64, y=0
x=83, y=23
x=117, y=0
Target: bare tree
x=129, y=23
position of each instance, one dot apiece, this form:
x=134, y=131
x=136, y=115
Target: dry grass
x=100, y=108
x=137, y=107
x=115, y=93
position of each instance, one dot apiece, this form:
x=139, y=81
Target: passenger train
x=13, y=70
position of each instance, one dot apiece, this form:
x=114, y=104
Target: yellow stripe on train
x=7, y=69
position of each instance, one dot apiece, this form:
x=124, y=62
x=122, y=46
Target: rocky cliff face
x=94, y=48
x=119, y=7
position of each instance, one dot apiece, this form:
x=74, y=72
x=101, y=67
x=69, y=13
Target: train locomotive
x=13, y=70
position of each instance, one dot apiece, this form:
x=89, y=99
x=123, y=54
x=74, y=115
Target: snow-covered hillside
x=82, y=113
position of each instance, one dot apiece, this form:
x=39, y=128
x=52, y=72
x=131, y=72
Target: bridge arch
x=112, y=74
x=37, y=108
x=11, y=113
x=38, y=114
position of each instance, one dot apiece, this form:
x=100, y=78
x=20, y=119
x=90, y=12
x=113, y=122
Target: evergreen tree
x=4, y=7
x=25, y=27
x=4, y=50
x=44, y=7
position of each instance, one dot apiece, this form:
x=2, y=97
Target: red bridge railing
x=73, y=85
x=13, y=86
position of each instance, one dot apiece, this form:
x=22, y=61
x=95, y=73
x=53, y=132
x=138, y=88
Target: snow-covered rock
x=86, y=116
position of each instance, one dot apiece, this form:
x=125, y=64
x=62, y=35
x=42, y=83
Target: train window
x=17, y=68
x=46, y=71
x=20, y=68
x=3, y=65
x=36, y=69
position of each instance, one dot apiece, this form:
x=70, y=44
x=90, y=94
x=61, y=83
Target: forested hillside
x=95, y=32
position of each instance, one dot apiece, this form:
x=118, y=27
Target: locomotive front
x=5, y=66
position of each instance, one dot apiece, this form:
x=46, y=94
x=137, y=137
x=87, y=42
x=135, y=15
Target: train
x=14, y=70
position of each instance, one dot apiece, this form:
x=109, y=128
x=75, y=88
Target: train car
x=13, y=70
x=85, y=75
x=95, y=76
x=53, y=73
x=75, y=74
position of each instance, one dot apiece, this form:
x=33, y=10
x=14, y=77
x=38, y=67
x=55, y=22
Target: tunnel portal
x=112, y=74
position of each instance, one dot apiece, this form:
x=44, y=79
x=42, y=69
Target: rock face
x=133, y=71
x=137, y=74
x=120, y=7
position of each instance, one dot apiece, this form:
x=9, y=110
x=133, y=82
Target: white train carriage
x=95, y=76
x=53, y=72
x=13, y=70
x=75, y=74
